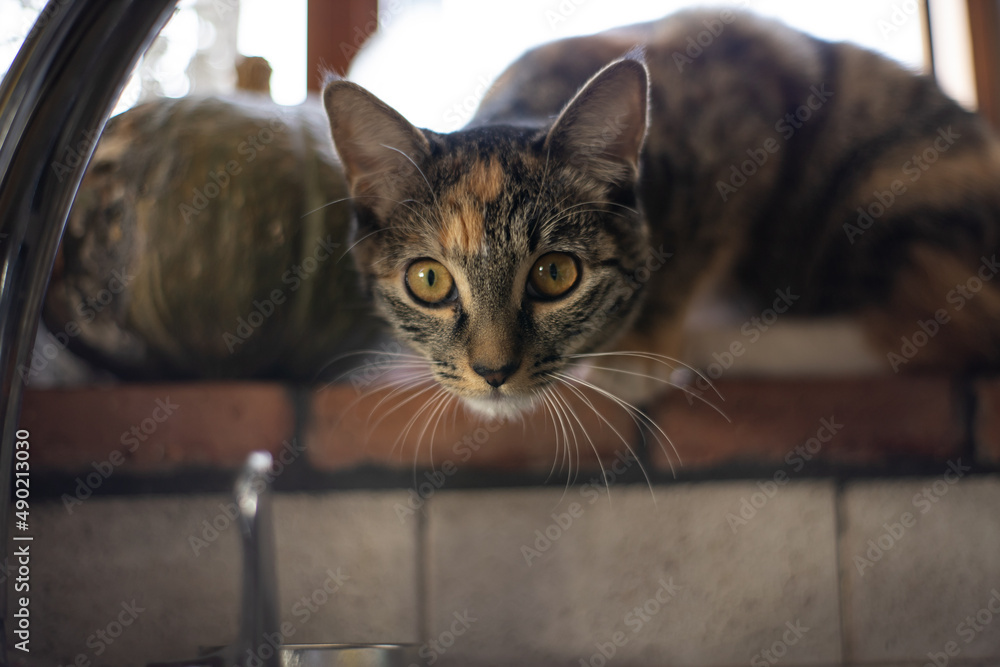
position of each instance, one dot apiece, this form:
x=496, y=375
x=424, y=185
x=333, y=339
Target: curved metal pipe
x=54, y=102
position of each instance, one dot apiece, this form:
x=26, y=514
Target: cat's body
x=765, y=164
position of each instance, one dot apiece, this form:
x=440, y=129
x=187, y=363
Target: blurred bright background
x=433, y=59
x=212, y=31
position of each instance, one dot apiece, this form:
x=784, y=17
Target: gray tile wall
x=714, y=574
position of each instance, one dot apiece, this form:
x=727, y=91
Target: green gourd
x=208, y=240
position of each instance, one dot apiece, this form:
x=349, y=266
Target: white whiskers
x=669, y=362
x=643, y=421
x=408, y=381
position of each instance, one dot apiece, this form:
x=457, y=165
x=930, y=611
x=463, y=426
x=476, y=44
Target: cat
x=607, y=182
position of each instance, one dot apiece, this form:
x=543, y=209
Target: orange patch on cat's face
x=463, y=226
x=462, y=207
x=484, y=180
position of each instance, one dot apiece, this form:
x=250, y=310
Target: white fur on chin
x=503, y=408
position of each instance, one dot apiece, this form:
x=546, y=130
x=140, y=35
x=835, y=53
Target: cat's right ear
x=381, y=151
x=603, y=127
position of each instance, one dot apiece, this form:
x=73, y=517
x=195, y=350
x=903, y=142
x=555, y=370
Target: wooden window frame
x=984, y=28
x=336, y=30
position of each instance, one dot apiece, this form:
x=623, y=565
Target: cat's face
x=498, y=253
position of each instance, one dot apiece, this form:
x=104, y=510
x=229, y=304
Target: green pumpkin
x=203, y=244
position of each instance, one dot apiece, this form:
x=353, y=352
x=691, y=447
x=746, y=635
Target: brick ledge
x=793, y=425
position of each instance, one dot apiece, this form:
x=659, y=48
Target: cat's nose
x=496, y=376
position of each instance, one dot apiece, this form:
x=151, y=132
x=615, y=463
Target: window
x=433, y=60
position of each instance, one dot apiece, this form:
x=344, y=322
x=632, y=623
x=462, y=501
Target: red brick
x=987, y=426
x=214, y=424
x=346, y=429
x=884, y=419
x=217, y=424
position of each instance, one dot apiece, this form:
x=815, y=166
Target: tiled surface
x=857, y=422
x=911, y=590
x=85, y=565
x=359, y=539
x=347, y=554
x=732, y=562
x=737, y=585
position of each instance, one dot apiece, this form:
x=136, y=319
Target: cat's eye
x=553, y=275
x=429, y=282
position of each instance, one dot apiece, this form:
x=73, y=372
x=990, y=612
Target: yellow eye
x=553, y=275
x=429, y=282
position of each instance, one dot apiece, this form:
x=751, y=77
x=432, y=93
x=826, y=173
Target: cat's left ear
x=603, y=127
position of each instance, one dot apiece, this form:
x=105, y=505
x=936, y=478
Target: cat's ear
x=602, y=129
x=381, y=151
